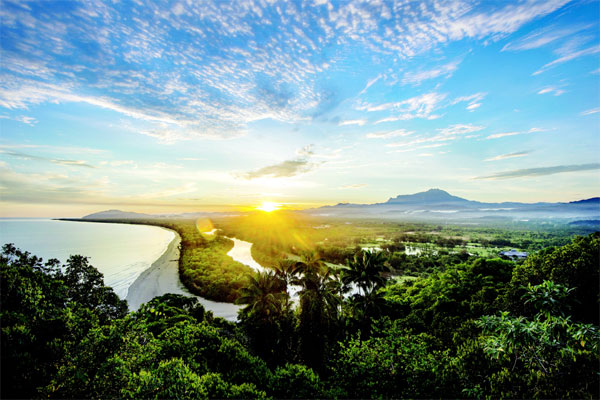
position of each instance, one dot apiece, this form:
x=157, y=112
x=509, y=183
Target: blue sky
x=184, y=105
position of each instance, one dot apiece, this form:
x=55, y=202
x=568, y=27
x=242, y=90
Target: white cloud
x=503, y=134
x=21, y=118
x=473, y=101
x=509, y=155
x=387, y=119
x=415, y=107
x=460, y=129
x=199, y=92
x=541, y=171
x=568, y=57
x=287, y=168
x=359, y=122
x=542, y=37
x=354, y=186
x=534, y=130
x=369, y=84
x=445, y=135
x=415, y=78
x=26, y=120
x=590, y=111
x=551, y=90
x=389, y=134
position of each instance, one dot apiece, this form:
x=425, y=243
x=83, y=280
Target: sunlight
x=268, y=206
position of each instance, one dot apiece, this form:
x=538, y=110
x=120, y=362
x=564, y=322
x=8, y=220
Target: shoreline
x=162, y=277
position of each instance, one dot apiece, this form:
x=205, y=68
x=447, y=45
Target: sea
x=121, y=252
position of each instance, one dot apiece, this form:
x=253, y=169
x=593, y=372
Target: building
x=513, y=254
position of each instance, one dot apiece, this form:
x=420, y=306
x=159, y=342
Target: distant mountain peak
x=430, y=196
x=116, y=214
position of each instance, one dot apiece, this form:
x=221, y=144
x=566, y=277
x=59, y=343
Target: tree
x=390, y=364
x=318, y=309
x=574, y=265
x=366, y=272
x=266, y=301
x=287, y=272
x=546, y=356
x=45, y=314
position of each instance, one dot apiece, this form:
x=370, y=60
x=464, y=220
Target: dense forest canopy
x=474, y=328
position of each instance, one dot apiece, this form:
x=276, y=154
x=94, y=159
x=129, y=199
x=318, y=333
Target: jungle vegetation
x=484, y=327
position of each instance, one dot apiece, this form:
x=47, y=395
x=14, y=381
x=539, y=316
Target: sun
x=268, y=206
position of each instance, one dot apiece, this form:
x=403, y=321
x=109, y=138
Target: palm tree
x=311, y=263
x=366, y=271
x=318, y=308
x=263, y=296
x=286, y=271
x=265, y=300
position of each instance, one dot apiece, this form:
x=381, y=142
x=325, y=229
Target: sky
x=180, y=106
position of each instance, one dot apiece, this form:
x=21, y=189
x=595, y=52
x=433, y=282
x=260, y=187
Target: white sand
x=163, y=277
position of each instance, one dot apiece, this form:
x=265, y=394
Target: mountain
x=117, y=214
x=437, y=204
x=432, y=196
x=592, y=201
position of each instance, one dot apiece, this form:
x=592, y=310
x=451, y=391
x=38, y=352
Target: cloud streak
x=69, y=163
x=543, y=171
x=354, y=186
x=551, y=90
x=590, y=111
x=514, y=133
x=509, y=155
x=568, y=57
x=543, y=37
x=415, y=78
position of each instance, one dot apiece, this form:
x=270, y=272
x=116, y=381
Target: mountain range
x=436, y=204
x=433, y=204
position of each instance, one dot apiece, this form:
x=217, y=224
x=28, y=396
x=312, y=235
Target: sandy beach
x=163, y=277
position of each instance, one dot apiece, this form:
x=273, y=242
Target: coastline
x=163, y=277
x=158, y=278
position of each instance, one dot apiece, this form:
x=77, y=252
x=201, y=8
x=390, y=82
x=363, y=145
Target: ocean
x=120, y=252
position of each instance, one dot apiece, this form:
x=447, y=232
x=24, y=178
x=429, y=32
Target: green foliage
x=365, y=272
x=478, y=328
x=575, y=265
x=442, y=303
x=391, y=364
x=267, y=318
x=550, y=355
x=209, y=272
x=319, y=301
x=42, y=311
x=295, y=381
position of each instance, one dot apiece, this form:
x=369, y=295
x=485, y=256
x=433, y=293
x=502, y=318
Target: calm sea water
x=121, y=252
